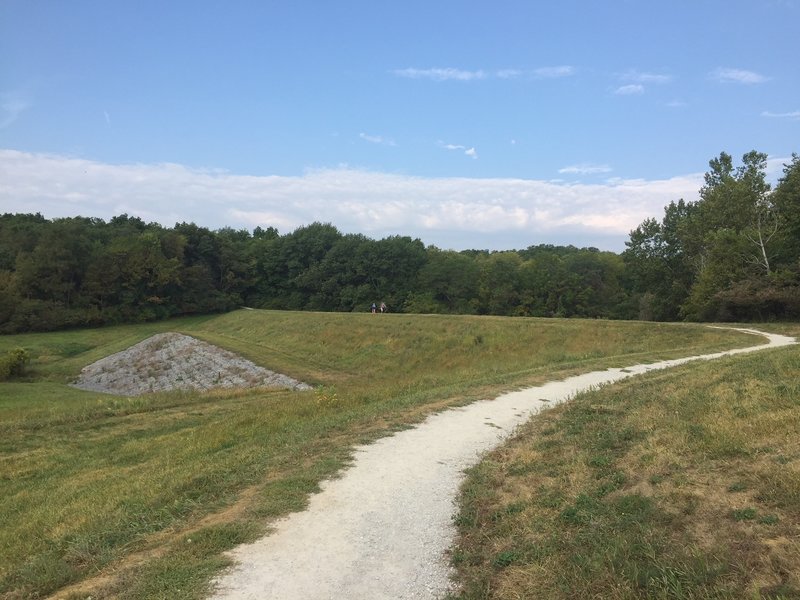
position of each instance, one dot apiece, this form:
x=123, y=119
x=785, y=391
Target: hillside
x=116, y=486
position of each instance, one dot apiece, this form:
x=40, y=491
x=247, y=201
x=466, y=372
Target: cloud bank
x=456, y=213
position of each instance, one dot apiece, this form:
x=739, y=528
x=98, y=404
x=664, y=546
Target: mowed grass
x=677, y=484
x=139, y=497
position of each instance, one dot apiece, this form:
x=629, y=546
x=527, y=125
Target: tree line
x=733, y=254
x=82, y=271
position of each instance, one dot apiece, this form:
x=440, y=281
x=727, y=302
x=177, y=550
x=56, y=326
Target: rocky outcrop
x=169, y=361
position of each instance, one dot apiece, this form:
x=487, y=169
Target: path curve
x=383, y=529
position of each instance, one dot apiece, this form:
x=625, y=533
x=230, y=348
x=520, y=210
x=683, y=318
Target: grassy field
x=678, y=484
x=138, y=497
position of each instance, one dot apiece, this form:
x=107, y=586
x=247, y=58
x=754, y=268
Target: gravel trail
x=382, y=530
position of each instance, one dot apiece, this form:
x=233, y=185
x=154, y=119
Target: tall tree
x=447, y=283
x=55, y=268
x=500, y=283
x=729, y=232
x=724, y=256
x=786, y=200
x=658, y=263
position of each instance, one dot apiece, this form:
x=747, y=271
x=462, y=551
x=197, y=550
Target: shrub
x=13, y=363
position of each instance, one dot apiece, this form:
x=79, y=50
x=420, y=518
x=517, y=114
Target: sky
x=466, y=124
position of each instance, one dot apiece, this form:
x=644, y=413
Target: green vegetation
x=138, y=497
x=732, y=255
x=678, y=484
x=13, y=363
x=86, y=272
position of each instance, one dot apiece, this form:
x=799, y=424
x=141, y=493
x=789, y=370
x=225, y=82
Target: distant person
x=374, y=308
x=383, y=307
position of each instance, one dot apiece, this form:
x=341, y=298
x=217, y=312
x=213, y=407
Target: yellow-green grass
x=109, y=491
x=679, y=484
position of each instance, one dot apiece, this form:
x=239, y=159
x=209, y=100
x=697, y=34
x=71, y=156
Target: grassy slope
x=116, y=486
x=679, y=484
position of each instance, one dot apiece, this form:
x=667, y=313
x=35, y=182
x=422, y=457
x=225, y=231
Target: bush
x=760, y=300
x=13, y=363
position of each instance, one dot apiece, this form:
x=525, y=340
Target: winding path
x=383, y=529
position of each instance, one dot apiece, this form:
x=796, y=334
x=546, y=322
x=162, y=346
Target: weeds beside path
x=680, y=484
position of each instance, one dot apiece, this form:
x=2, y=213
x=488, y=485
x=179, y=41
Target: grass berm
x=139, y=497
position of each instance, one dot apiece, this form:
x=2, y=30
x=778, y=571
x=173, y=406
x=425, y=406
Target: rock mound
x=169, y=361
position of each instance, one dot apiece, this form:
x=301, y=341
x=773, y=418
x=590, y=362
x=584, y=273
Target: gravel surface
x=170, y=361
x=383, y=529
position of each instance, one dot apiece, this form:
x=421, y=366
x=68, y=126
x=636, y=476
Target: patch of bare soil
x=170, y=361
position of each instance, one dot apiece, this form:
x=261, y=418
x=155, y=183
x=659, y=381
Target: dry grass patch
x=680, y=484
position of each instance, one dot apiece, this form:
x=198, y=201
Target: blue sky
x=466, y=124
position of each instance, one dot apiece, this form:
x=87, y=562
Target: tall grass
x=679, y=484
x=138, y=497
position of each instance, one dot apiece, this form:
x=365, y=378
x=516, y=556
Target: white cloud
x=377, y=139
x=787, y=115
x=449, y=212
x=585, y=169
x=630, y=89
x=551, y=72
x=639, y=77
x=724, y=75
x=450, y=74
x=775, y=165
x=471, y=152
x=440, y=74
x=12, y=105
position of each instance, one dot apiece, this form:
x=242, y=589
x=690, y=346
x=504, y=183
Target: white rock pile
x=169, y=361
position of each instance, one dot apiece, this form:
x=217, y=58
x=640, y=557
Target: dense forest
x=732, y=255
